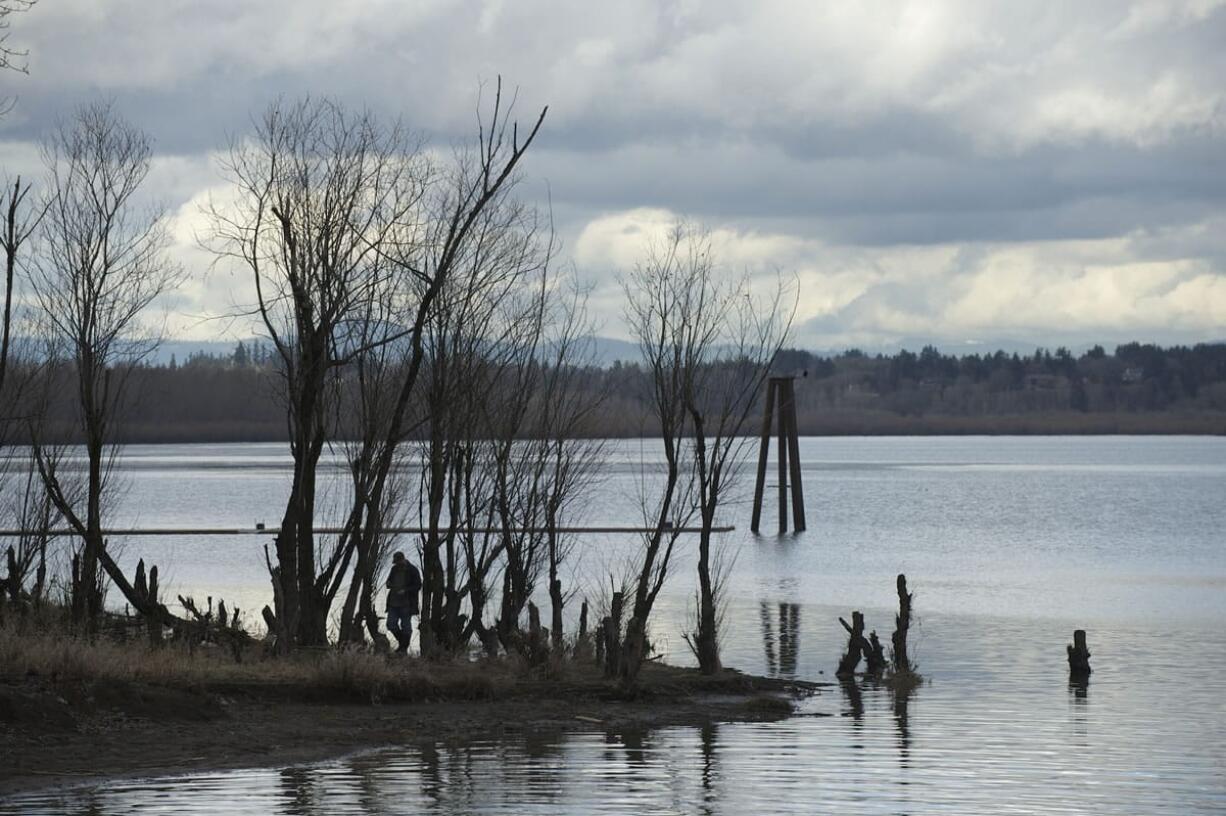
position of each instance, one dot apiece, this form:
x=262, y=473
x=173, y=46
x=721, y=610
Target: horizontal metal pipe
x=272, y=531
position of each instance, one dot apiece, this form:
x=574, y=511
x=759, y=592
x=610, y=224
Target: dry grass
x=51, y=651
x=43, y=648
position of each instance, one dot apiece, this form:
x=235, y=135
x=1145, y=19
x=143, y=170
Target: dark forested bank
x=1135, y=389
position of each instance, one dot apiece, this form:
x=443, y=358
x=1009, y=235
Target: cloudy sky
x=1032, y=172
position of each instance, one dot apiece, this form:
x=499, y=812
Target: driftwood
x=1079, y=655
x=902, y=623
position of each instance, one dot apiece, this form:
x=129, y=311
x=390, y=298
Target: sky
x=963, y=173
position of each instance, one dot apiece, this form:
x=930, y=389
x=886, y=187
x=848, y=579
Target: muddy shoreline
x=55, y=735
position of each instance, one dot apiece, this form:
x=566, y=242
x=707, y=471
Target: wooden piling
x=780, y=404
x=793, y=435
x=763, y=452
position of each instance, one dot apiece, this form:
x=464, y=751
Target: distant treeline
x=1138, y=388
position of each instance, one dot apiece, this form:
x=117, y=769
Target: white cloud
x=924, y=166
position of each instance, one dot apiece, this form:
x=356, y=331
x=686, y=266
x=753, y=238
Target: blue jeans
x=400, y=624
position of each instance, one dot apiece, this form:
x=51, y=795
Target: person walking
x=403, y=584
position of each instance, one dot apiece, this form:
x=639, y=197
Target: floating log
x=1079, y=655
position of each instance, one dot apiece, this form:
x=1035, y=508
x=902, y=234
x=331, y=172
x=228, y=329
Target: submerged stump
x=855, y=645
x=1079, y=655
x=902, y=624
x=874, y=654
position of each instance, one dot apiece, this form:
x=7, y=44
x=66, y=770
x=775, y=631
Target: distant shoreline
x=856, y=424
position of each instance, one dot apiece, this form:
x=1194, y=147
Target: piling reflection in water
x=902, y=697
x=855, y=699
x=708, y=737
x=781, y=638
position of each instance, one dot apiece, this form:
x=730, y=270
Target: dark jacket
x=403, y=584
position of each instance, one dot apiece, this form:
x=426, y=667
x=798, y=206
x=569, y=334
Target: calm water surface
x=1008, y=543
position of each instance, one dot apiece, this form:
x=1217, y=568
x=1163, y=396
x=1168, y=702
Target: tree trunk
x=706, y=639
x=612, y=637
x=555, y=620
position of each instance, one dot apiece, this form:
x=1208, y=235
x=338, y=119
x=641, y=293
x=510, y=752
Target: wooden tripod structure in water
x=781, y=393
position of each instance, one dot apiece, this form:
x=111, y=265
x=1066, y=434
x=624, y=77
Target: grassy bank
x=54, y=654
x=75, y=709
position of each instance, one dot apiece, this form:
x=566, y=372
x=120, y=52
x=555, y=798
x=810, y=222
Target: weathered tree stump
x=612, y=635
x=855, y=645
x=555, y=621
x=146, y=591
x=583, y=646
x=537, y=646
x=902, y=623
x=874, y=654
x=13, y=585
x=1079, y=655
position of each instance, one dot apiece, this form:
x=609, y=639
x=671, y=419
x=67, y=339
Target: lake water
x=1008, y=544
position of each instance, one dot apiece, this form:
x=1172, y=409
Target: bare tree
x=337, y=213
x=19, y=225
x=324, y=198
x=30, y=508
x=102, y=265
x=468, y=209
x=708, y=345
x=11, y=58
x=474, y=394
x=567, y=439
x=668, y=346
x=368, y=389
x=736, y=340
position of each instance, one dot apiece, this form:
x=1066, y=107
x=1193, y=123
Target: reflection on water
x=902, y=696
x=906, y=750
x=1010, y=544
x=781, y=643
